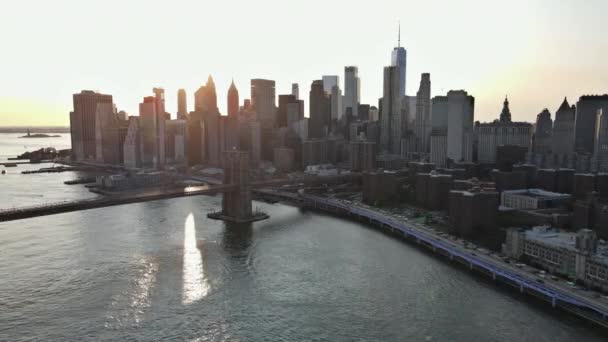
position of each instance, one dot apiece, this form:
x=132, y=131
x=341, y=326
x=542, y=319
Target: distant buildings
x=543, y=132
x=502, y=132
x=263, y=102
x=438, y=140
x=460, y=126
x=578, y=255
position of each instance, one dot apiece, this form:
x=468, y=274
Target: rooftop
x=537, y=193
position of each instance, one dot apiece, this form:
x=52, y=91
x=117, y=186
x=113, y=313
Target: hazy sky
x=535, y=51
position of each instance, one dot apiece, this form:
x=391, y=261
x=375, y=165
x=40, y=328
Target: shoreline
x=499, y=275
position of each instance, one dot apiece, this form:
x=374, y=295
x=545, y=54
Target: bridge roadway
x=556, y=293
x=153, y=194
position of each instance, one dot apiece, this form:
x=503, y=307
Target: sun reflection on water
x=195, y=284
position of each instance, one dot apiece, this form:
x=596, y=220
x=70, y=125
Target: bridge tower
x=236, y=203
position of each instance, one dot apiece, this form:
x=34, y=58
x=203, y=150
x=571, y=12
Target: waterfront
x=162, y=270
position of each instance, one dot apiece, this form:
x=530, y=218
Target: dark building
x=195, y=128
x=565, y=181
x=233, y=100
x=547, y=179
x=509, y=155
x=509, y=180
x=472, y=213
x=320, y=111
x=422, y=181
x=584, y=184
x=82, y=122
x=543, y=133
x=414, y=168
x=530, y=171
x=282, y=112
x=602, y=186
x=205, y=97
x=364, y=112
x=362, y=155
x=380, y=187
x=586, y=121
x=439, y=188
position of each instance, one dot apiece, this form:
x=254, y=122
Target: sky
x=536, y=51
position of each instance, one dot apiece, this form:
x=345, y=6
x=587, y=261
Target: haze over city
x=536, y=52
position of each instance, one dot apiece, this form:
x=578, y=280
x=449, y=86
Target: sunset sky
x=537, y=52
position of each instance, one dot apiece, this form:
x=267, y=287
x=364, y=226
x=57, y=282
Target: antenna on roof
x=399, y=34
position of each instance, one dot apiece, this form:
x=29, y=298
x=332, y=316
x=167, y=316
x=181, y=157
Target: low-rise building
x=533, y=199
x=580, y=255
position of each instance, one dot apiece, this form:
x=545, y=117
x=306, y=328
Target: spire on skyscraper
x=210, y=82
x=399, y=35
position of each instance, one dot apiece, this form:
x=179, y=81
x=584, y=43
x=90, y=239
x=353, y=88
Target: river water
x=163, y=271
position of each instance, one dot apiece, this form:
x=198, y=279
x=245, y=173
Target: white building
x=532, y=199
x=460, y=126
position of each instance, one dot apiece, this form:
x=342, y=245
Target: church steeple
x=505, y=115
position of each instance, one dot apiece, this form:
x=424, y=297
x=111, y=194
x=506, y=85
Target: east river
x=163, y=271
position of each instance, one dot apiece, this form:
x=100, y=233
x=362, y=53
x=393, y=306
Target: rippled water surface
x=163, y=271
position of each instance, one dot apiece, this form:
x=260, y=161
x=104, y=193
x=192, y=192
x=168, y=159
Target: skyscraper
x=351, y=89
x=205, y=97
x=423, y=114
x=233, y=100
x=282, y=117
x=295, y=90
x=586, y=121
x=148, y=129
x=543, y=132
x=461, y=108
x=399, y=60
x=563, y=129
x=182, y=106
x=263, y=102
x=159, y=103
x=82, y=123
x=439, y=131
x=329, y=81
x=390, y=116
x=320, y=111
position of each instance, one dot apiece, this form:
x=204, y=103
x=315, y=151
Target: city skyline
x=557, y=51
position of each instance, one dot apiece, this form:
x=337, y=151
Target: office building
x=182, y=105
x=205, y=98
x=133, y=147
x=161, y=116
x=579, y=255
x=422, y=119
x=176, y=143
x=82, y=123
x=438, y=141
x=284, y=159
x=543, y=133
x=563, y=129
x=362, y=155
x=502, y=132
x=283, y=112
x=472, y=213
x=263, y=102
x=588, y=109
x=460, y=126
x=352, y=91
x=320, y=111
x=533, y=199
x=295, y=90
x=390, y=117
x=233, y=100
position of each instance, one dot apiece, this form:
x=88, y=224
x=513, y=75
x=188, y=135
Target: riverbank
x=490, y=265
